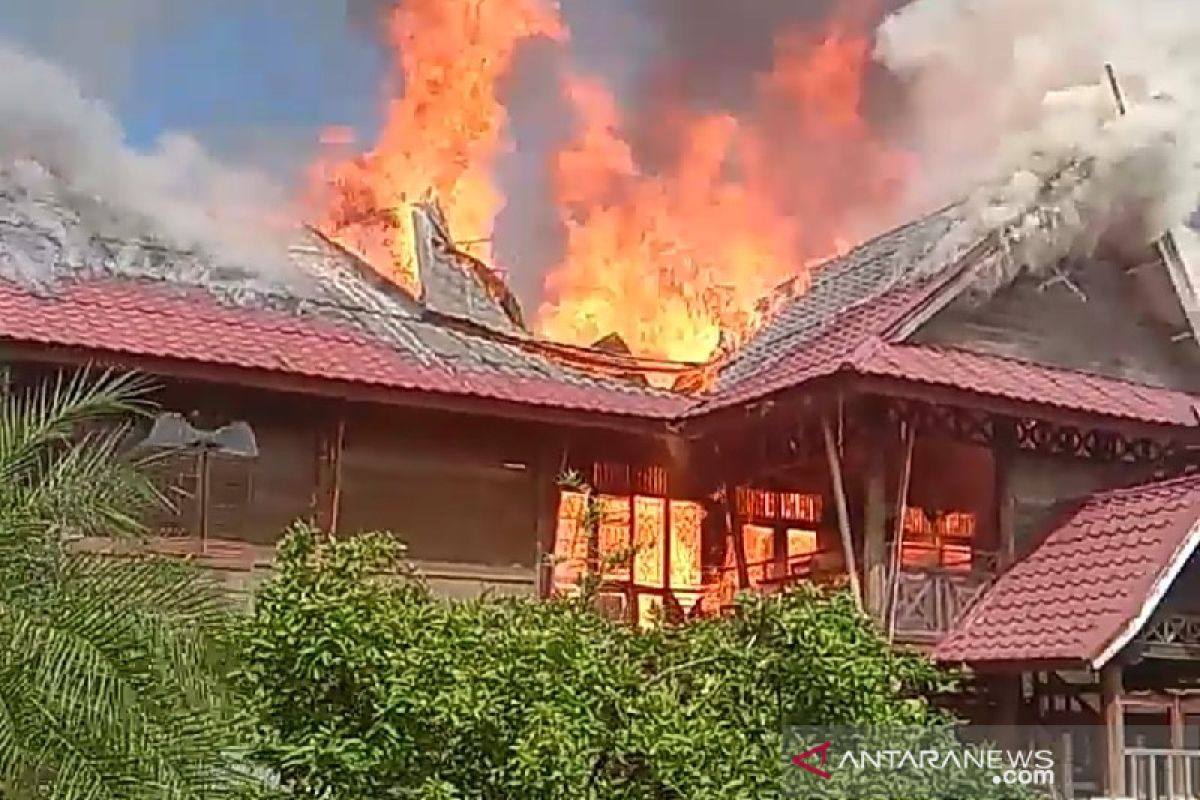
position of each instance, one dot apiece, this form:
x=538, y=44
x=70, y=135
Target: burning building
x=889, y=425
x=989, y=432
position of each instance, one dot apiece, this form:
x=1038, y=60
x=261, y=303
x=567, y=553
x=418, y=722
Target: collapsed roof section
x=75, y=275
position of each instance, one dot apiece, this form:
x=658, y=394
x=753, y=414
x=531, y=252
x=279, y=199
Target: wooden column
x=1112, y=742
x=1009, y=692
x=875, y=561
x=843, y=511
x=895, y=557
x=551, y=462
x=736, y=538
x=327, y=495
x=1179, y=766
x=1003, y=459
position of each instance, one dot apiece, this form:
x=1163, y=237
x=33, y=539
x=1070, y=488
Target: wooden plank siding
x=464, y=492
x=1094, y=323
x=448, y=489
x=1042, y=487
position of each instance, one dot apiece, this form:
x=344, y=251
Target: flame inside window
x=644, y=545
x=944, y=542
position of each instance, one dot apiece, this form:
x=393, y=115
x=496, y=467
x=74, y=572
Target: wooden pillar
x=1180, y=780
x=736, y=538
x=895, y=557
x=843, y=512
x=1112, y=742
x=875, y=561
x=327, y=496
x=1003, y=458
x=547, y=496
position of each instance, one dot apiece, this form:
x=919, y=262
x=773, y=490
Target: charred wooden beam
x=737, y=538
x=327, y=496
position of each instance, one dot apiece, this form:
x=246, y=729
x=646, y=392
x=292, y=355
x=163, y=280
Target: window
x=779, y=533
x=943, y=542
x=635, y=534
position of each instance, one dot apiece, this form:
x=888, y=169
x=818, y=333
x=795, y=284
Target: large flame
x=667, y=261
x=675, y=259
x=442, y=132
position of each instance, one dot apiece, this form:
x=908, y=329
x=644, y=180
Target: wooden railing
x=929, y=601
x=1161, y=773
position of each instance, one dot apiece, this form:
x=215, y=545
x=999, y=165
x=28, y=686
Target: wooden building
x=998, y=460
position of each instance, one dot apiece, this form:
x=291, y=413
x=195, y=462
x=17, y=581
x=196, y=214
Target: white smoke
x=178, y=194
x=1013, y=106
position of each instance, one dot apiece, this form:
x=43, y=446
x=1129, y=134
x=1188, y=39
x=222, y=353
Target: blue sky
x=256, y=68
x=245, y=77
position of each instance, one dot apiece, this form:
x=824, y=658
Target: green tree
x=365, y=686
x=110, y=669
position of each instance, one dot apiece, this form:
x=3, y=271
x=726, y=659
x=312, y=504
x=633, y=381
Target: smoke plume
x=181, y=195
x=1008, y=103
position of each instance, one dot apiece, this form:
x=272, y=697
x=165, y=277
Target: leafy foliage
x=110, y=669
x=365, y=686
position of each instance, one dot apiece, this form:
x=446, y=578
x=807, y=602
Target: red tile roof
x=856, y=343
x=136, y=318
x=847, y=322
x=837, y=347
x=1081, y=593
x=1009, y=379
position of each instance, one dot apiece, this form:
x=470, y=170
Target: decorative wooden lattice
x=930, y=602
x=1032, y=435
x=1175, y=632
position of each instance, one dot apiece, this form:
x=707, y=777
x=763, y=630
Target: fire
x=633, y=531
x=677, y=258
x=441, y=134
x=666, y=261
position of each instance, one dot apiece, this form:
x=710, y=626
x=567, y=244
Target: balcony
x=1161, y=773
x=930, y=600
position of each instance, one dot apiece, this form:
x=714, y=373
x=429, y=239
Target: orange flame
x=675, y=260
x=678, y=262
x=666, y=261
x=441, y=135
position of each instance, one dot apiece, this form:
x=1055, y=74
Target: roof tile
x=1009, y=379
x=1078, y=590
x=150, y=320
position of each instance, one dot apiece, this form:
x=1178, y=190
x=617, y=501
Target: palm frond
x=47, y=415
x=111, y=673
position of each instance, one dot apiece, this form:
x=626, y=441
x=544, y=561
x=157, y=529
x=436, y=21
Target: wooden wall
x=1098, y=327
x=1184, y=595
x=949, y=475
x=456, y=490
x=470, y=496
x=1041, y=488
x=251, y=500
